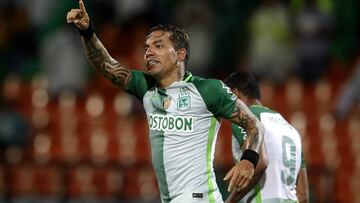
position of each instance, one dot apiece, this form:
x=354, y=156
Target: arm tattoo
x=254, y=129
x=102, y=61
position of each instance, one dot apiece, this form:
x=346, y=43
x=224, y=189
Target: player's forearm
x=243, y=117
x=104, y=63
x=255, y=133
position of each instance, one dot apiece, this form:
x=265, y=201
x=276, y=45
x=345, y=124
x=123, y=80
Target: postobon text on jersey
x=171, y=123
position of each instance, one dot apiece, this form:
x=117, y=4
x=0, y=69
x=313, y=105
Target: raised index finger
x=82, y=6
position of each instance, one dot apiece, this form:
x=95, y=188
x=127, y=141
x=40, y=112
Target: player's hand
x=79, y=17
x=240, y=175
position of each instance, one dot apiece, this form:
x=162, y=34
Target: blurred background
x=68, y=135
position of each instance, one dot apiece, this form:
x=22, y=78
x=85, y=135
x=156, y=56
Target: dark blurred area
x=68, y=135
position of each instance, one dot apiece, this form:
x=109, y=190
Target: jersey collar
x=257, y=105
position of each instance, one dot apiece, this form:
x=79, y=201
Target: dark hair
x=178, y=37
x=245, y=83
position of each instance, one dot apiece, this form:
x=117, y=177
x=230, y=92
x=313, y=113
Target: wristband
x=88, y=32
x=251, y=156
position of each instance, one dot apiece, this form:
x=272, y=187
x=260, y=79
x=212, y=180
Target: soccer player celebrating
x=285, y=178
x=183, y=112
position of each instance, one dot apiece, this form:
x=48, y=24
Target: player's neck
x=252, y=102
x=174, y=76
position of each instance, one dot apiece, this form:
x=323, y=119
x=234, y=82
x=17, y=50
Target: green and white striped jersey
x=183, y=121
x=284, y=152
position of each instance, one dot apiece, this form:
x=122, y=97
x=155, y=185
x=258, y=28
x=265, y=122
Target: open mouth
x=150, y=64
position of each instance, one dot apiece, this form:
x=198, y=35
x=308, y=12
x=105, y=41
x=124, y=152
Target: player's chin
x=153, y=70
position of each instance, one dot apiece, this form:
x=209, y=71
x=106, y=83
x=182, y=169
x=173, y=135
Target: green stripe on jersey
x=157, y=140
x=211, y=136
x=258, y=194
x=157, y=143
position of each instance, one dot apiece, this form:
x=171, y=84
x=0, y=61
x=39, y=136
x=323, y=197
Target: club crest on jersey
x=184, y=90
x=183, y=101
x=166, y=102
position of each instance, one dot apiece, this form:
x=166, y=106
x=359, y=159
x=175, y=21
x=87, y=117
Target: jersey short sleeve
x=139, y=84
x=217, y=96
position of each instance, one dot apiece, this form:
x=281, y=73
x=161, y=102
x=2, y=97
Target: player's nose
x=149, y=52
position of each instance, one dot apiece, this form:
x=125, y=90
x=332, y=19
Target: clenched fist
x=79, y=17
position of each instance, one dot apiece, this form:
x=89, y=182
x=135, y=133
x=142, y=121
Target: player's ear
x=181, y=54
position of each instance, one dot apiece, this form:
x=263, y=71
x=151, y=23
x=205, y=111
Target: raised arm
x=95, y=50
x=104, y=63
x=242, y=173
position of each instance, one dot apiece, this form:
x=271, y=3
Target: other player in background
x=285, y=179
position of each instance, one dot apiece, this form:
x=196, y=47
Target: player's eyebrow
x=146, y=45
x=157, y=41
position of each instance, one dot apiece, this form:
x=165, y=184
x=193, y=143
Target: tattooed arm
x=104, y=63
x=95, y=51
x=243, y=117
x=242, y=173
